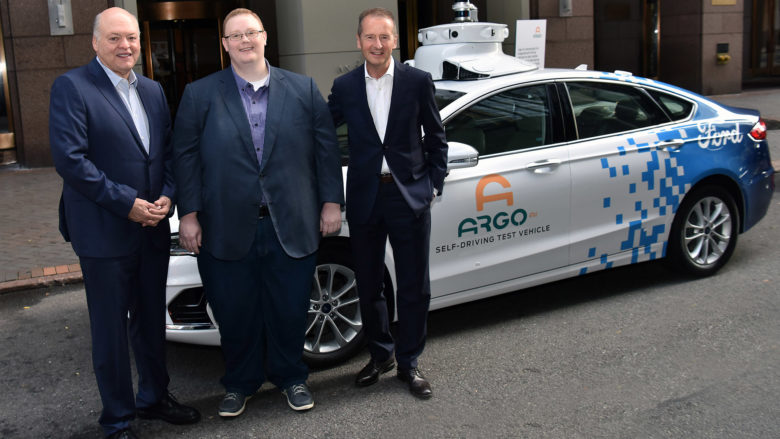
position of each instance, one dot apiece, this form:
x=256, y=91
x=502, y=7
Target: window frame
x=559, y=130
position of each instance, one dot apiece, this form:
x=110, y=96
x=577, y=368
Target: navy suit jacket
x=418, y=164
x=104, y=166
x=216, y=164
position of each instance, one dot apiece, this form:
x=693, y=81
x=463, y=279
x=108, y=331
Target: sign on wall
x=530, y=40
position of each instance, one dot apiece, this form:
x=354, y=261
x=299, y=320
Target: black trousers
x=261, y=304
x=133, y=284
x=409, y=237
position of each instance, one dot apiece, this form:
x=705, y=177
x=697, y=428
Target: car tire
x=334, y=329
x=704, y=232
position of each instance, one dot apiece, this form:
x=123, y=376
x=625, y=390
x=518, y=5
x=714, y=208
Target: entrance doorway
x=765, y=53
x=181, y=43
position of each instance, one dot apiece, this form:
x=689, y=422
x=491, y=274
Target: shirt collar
x=390, y=70
x=114, y=78
x=242, y=83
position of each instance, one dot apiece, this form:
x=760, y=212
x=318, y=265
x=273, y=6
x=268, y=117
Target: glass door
x=181, y=43
x=7, y=142
x=765, y=56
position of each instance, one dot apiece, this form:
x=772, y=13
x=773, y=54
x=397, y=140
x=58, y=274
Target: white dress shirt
x=379, y=91
x=129, y=94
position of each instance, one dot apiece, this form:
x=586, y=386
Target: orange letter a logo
x=482, y=198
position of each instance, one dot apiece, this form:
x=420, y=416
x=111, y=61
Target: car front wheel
x=334, y=326
x=704, y=231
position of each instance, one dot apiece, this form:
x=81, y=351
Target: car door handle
x=543, y=166
x=672, y=145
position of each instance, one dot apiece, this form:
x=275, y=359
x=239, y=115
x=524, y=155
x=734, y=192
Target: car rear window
x=676, y=108
x=602, y=108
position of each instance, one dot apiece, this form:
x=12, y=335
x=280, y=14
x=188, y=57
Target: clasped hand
x=149, y=214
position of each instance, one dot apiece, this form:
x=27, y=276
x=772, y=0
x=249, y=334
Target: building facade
x=708, y=46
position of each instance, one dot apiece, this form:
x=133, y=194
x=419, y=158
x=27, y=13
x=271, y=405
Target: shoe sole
x=234, y=414
x=302, y=407
x=387, y=368
x=167, y=419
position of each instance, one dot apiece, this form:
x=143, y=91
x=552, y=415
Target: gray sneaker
x=233, y=404
x=299, y=397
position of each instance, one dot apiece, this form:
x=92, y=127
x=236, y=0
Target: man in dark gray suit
x=110, y=140
x=258, y=169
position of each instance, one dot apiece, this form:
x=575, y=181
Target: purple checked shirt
x=256, y=106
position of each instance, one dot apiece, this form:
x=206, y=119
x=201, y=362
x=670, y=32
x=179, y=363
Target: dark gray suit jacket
x=103, y=164
x=219, y=177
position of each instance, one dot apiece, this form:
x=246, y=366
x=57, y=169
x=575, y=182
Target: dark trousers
x=261, y=304
x=409, y=237
x=133, y=284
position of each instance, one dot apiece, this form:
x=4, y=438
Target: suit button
x=384, y=146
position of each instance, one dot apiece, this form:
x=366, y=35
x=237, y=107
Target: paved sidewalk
x=34, y=254
x=33, y=251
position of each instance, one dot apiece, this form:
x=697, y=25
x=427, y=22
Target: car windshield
x=445, y=97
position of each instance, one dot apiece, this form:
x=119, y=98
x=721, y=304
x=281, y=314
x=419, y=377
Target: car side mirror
x=460, y=155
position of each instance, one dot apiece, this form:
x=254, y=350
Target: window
x=445, y=97
x=601, y=108
x=676, y=108
x=7, y=141
x=509, y=121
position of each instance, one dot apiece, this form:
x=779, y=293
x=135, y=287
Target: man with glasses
x=258, y=167
x=110, y=140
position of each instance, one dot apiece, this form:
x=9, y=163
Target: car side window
x=676, y=108
x=601, y=108
x=508, y=121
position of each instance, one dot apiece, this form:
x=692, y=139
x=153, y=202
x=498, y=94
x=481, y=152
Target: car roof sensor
x=466, y=49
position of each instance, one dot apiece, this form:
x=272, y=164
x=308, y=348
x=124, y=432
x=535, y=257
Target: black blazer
x=216, y=166
x=418, y=164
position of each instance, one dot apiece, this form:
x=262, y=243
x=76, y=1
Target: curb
x=49, y=276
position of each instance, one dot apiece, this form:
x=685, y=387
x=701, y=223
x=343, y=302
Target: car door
x=617, y=169
x=507, y=217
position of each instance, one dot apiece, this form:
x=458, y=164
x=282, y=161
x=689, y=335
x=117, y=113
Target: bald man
x=109, y=130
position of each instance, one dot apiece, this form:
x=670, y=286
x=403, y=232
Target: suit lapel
x=399, y=88
x=362, y=98
x=277, y=93
x=106, y=88
x=229, y=92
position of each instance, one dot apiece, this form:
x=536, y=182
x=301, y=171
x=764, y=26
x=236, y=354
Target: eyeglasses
x=250, y=35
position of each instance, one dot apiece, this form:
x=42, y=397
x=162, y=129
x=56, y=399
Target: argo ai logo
x=502, y=219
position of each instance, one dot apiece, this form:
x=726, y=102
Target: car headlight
x=177, y=249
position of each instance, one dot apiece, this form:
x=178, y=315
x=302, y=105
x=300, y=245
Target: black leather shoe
x=370, y=374
x=418, y=385
x=169, y=410
x=122, y=434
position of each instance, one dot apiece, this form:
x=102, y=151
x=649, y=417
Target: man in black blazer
x=110, y=140
x=258, y=170
x=393, y=173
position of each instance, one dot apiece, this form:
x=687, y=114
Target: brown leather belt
x=263, y=211
x=386, y=178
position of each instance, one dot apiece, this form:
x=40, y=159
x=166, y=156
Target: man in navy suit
x=258, y=170
x=393, y=173
x=109, y=130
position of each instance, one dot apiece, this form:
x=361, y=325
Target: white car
x=553, y=174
